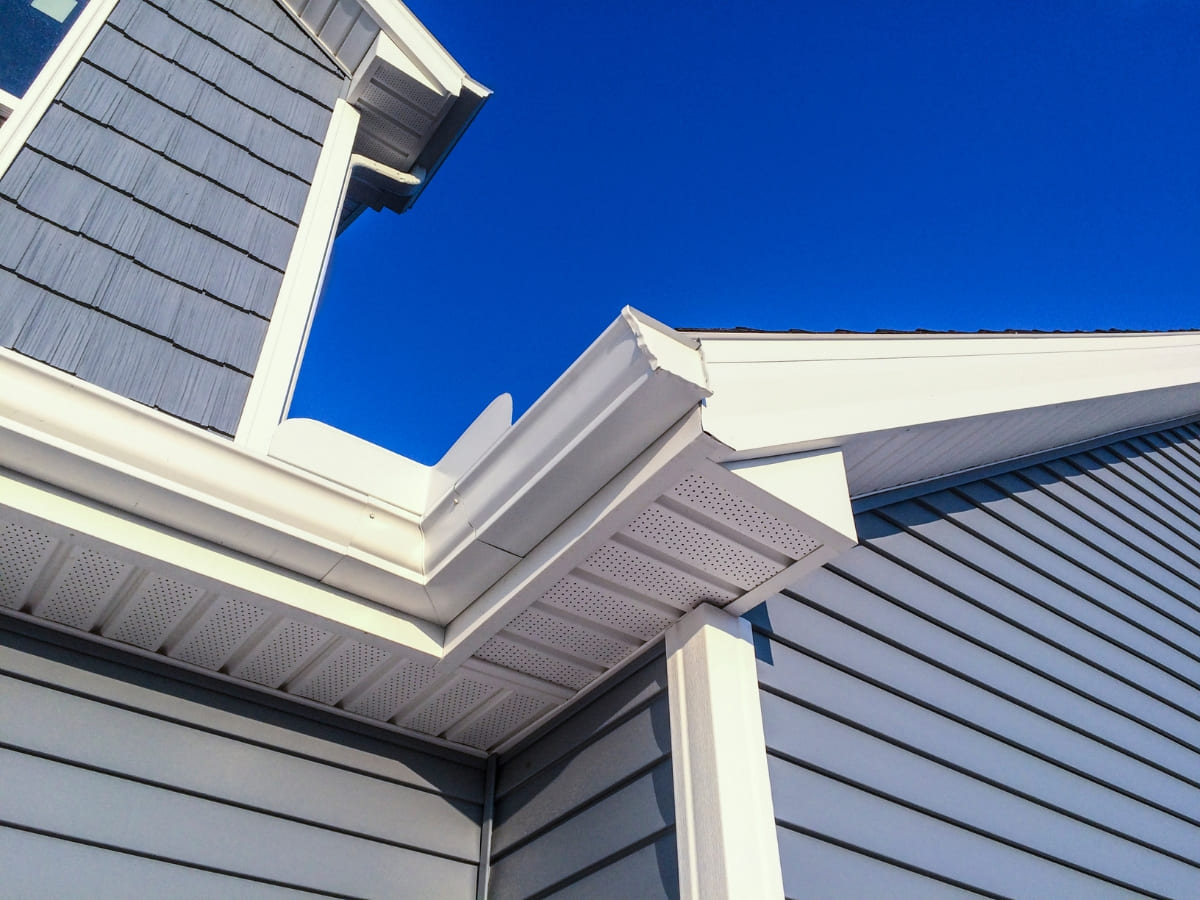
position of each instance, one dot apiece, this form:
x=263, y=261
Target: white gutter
x=621, y=395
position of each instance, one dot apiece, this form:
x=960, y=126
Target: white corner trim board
x=275, y=374
x=33, y=105
x=724, y=817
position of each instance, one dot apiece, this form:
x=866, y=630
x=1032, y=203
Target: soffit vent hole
x=282, y=653
x=84, y=589
x=710, y=498
x=652, y=579
x=496, y=724
x=23, y=552
x=342, y=672
x=154, y=611
x=396, y=689
x=605, y=607
x=531, y=662
x=678, y=537
x=450, y=706
x=220, y=633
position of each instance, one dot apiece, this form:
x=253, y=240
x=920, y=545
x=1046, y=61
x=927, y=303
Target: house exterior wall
x=148, y=219
x=123, y=778
x=999, y=690
x=587, y=809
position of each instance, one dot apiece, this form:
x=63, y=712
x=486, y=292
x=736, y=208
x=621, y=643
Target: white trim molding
x=275, y=375
x=724, y=818
x=29, y=109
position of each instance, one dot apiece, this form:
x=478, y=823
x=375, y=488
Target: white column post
x=724, y=818
x=275, y=374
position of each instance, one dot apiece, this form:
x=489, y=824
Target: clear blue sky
x=783, y=164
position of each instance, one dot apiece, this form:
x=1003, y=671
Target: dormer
x=173, y=177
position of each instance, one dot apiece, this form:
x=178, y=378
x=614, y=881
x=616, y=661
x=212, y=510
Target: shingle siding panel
x=1006, y=670
x=210, y=61
x=189, y=95
x=19, y=303
x=148, y=223
x=250, y=43
x=191, y=145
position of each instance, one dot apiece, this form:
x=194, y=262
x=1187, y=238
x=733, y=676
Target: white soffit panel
x=701, y=538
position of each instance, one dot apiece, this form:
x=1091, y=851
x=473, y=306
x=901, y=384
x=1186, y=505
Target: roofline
x=740, y=333
x=339, y=522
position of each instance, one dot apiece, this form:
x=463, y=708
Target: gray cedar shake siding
x=999, y=690
x=124, y=778
x=587, y=810
x=147, y=222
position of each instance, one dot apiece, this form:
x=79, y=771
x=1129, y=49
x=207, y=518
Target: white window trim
x=275, y=375
x=28, y=109
x=724, y=817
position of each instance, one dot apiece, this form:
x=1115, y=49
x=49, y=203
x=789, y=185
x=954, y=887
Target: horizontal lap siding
x=151, y=214
x=999, y=691
x=121, y=782
x=587, y=809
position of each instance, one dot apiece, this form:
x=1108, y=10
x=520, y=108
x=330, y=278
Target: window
x=29, y=32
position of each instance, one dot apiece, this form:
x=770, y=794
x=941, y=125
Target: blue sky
x=782, y=164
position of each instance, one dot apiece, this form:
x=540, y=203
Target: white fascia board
x=206, y=564
x=786, y=392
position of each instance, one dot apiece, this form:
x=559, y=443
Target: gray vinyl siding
x=124, y=780
x=998, y=692
x=587, y=809
x=150, y=216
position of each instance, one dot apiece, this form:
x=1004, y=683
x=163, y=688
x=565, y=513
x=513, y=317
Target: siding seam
x=1029, y=667
x=980, y=729
x=224, y=801
x=883, y=858
x=108, y=315
x=157, y=211
x=975, y=776
x=209, y=178
x=970, y=679
x=1115, y=535
x=140, y=265
x=600, y=864
x=225, y=51
x=207, y=729
x=214, y=86
x=956, y=823
x=1026, y=595
x=587, y=804
x=100, y=845
x=92, y=64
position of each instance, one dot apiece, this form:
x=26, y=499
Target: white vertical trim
x=33, y=105
x=275, y=374
x=724, y=818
